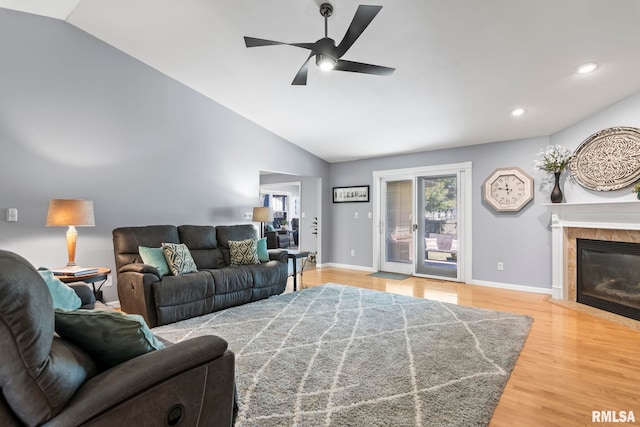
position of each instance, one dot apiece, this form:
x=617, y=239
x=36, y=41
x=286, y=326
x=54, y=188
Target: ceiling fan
x=328, y=55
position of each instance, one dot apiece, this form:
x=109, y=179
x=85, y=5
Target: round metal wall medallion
x=608, y=160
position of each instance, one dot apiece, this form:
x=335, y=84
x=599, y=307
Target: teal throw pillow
x=178, y=258
x=110, y=337
x=244, y=252
x=263, y=253
x=61, y=294
x=155, y=258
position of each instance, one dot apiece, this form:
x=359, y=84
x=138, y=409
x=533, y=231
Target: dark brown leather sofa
x=46, y=380
x=215, y=286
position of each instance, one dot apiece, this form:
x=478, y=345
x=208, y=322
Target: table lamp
x=262, y=215
x=72, y=213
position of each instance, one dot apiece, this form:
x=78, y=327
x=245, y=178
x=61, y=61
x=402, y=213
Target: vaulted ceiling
x=461, y=65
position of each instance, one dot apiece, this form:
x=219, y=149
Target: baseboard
x=350, y=267
x=510, y=286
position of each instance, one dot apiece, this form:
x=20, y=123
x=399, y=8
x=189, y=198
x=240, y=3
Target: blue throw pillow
x=155, y=258
x=61, y=294
x=110, y=337
x=263, y=253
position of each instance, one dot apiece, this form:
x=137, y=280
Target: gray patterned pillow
x=179, y=258
x=244, y=252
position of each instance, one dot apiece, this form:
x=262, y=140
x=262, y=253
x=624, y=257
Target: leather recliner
x=46, y=380
x=277, y=239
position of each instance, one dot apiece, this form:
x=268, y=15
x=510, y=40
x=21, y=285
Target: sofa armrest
x=136, y=294
x=139, y=268
x=197, y=374
x=278, y=255
x=85, y=293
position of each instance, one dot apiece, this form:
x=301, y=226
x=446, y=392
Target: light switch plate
x=12, y=215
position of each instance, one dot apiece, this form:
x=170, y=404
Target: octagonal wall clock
x=508, y=189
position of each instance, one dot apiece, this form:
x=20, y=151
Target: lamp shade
x=261, y=214
x=67, y=212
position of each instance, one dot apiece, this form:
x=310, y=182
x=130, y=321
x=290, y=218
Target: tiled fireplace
x=615, y=221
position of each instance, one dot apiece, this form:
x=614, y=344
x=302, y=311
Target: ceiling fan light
x=587, y=68
x=517, y=112
x=326, y=62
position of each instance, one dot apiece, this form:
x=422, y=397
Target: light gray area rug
x=337, y=355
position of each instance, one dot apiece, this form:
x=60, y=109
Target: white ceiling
x=461, y=65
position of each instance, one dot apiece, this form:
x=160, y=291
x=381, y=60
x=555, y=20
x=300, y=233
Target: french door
x=398, y=236
x=423, y=225
x=437, y=226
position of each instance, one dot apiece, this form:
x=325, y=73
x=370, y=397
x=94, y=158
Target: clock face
x=508, y=189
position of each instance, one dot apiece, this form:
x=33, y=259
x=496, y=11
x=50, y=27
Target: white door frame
x=466, y=189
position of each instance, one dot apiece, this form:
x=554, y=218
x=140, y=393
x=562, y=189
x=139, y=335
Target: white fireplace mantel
x=617, y=215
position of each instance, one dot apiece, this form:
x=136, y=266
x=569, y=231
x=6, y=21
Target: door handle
x=415, y=227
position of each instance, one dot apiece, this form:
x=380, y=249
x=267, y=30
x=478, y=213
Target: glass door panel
x=397, y=243
x=438, y=228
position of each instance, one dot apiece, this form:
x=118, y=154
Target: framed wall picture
x=351, y=194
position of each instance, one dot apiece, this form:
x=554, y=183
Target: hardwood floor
x=572, y=363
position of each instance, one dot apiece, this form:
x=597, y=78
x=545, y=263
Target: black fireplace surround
x=609, y=276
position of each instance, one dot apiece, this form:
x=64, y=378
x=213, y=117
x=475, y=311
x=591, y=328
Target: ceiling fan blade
x=359, y=67
x=301, y=76
x=361, y=20
x=254, y=42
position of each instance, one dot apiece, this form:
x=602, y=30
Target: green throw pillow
x=110, y=337
x=179, y=258
x=155, y=258
x=263, y=253
x=244, y=252
x=61, y=294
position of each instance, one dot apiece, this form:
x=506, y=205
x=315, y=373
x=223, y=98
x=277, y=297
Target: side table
x=295, y=256
x=93, y=278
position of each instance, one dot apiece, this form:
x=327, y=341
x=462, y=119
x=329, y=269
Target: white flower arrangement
x=554, y=158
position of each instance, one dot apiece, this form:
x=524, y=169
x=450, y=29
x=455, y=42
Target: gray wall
x=80, y=119
x=520, y=240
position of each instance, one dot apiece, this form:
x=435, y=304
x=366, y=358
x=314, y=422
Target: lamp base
x=72, y=236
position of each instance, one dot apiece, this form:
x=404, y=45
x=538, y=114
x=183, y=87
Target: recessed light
x=517, y=112
x=587, y=68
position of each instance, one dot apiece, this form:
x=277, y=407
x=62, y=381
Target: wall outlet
x=500, y=266
x=353, y=252
x=369, y=215
x=355, y=215
x=248, y=216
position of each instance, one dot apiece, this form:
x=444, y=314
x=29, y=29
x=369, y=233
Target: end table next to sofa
x=295, y=256
x=93, y=278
